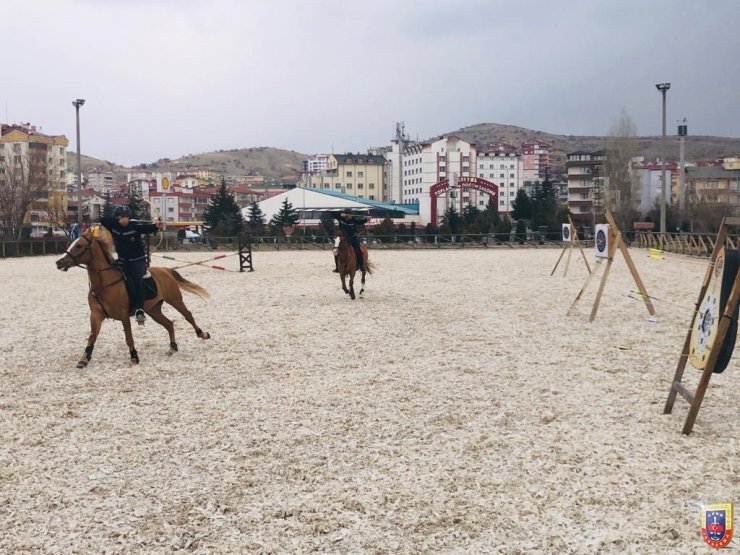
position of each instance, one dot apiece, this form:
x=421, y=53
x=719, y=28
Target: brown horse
x=347, y=263
x=108, y=297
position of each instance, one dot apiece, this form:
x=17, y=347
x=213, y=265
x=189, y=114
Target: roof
x=318, y=200
x=712, y=172
x=360, y=159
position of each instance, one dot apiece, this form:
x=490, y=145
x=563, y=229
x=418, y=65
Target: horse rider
x=126, y=235
x=349, y=224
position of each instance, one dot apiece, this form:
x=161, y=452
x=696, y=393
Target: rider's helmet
x=122, y=211
x=346, y=211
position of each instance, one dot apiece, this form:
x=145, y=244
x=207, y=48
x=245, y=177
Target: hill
x=272, y=163
x=697, y=147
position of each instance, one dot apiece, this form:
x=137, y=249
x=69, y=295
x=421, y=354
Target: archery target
x=567, y=233
x=601, y=240
x=711, y=308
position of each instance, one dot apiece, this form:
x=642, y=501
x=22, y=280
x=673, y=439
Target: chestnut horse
x=108, y=297
x=347, y=263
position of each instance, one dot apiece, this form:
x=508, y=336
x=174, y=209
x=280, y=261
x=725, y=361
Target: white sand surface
x=454, y=409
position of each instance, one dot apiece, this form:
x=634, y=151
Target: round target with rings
x=566, y=232
x=711, y=308
x=601, y=240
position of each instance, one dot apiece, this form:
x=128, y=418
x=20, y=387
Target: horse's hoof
x=134, y=360
x=173, y=347
x=205, y=335
x=352, y=296
x=82, y=364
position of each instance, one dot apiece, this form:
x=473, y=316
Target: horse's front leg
x=130, y=340
x=96, y=321
x=362, y=289
x=342, y=276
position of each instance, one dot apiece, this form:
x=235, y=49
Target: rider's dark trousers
x=135, y=271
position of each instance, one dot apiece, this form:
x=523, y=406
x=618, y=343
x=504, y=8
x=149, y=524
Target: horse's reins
x=94, y=292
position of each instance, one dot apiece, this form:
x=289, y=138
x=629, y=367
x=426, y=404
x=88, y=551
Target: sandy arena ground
x=455, y=409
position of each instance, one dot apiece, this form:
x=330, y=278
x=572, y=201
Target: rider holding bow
x=126, y=235
x=349, y=224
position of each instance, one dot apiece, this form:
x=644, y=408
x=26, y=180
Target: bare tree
x=622, y=186
x=23, y=180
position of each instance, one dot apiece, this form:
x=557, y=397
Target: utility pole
x=77, y=103
x=682, y=132
x=663, y=88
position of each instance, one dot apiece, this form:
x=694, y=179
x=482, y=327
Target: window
x=371, y=185
x=360, y=174
x=360, y=186
x=482, y=167
x=371, y=197
x=491, y=175
x=490, y=167
x=61, y=151
x=338, y=186
x=511, y=175
x=502, y=202
x=481, y=175
x=349, y=174
x=511, y=193
x=501, y=175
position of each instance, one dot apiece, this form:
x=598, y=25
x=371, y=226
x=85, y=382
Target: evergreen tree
x=470, y=219
x=326, y=224
x=286, y=217
x=545, y=205
x=139, y=211
x=385, y=230
x=108, y=206
x=452, y=220
x=256, y=218
x=522, y=208
x=222, y=214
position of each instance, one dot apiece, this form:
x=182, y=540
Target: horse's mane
x=106, y=241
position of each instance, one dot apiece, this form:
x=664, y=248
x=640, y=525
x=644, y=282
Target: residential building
x=43, y=158
x=585, y=172
x=715, y=185
x=648, y=176
x=316, y=164
x=100, y=180
x=360, y=175
x=501, y=164
x=536, y=159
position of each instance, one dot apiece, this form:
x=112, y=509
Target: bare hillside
x=697, y=147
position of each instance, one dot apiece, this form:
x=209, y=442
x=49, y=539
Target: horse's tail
x=188, y=286
x=369, y=267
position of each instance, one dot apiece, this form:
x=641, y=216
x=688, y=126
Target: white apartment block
x=501, y=164
x=317, y=164
x=100, y=180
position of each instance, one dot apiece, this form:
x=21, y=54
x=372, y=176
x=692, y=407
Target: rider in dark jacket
x=349, y=224
x=127, y=240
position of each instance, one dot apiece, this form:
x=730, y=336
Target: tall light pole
x=682, y=132
x=663, y=88
x=77, y=103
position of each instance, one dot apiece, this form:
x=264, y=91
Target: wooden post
x=676, y=384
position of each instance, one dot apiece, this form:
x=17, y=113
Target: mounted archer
x=126, y=235
x=349, y=255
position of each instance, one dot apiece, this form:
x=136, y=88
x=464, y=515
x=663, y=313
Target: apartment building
x=360, y=175
x=585, y=172
x=715, y=185
x=42, y=159
x=316, y=164
x=536, y=160
x=501, y=164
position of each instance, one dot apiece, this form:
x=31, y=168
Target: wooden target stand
x=711, y=337
x=570, y=236
x=607, y=240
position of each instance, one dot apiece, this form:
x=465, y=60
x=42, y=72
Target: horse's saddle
x=150, y=289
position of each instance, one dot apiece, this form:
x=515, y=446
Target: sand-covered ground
x=455, y=409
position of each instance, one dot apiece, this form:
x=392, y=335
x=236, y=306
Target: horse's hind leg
x=156, y=313
x=179, y=305
x=352, y=286
x=96, y=321
x=130, y=341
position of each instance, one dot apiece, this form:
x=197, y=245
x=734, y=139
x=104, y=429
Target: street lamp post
x=663, y=88
x=77, y=103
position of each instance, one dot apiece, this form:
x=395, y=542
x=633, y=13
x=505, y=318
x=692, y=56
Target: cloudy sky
x=165, y=78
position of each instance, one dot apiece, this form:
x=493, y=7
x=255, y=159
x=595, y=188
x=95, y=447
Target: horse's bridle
x=76, y=259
